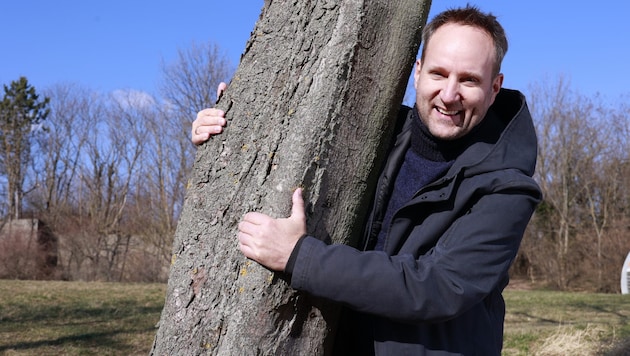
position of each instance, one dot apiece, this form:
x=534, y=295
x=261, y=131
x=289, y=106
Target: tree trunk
x=312, y=104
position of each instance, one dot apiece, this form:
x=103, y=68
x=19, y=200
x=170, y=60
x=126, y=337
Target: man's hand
x=208, y=122
x=270, y=241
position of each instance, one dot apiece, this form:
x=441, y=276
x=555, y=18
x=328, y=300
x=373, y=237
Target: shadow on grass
x=52, y=313
x=600, y=309
x=102, y=339
x=536, y=319
x=622, y=348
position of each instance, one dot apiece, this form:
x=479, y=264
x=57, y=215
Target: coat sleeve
x=469, y=261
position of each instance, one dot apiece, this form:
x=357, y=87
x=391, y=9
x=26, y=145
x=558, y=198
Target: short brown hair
x=470, y=16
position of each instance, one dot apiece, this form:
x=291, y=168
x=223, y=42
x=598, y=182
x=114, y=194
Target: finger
x=208, y=129
x=256, y=218
x=244, y=245
x=297, y=210
x=220, y=89
x=210, y=114
x=247, y=228
x=201, y=138
x=197, y=135
x=247, y=251
x=215, y=119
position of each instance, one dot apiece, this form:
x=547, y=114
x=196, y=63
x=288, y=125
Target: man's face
x=454, y=83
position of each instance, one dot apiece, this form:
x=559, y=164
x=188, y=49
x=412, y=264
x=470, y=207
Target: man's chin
x=445, y=132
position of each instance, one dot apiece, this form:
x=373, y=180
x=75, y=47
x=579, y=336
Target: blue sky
x=116, y=44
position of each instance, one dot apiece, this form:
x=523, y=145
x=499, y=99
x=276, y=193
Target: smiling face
x=455, y=84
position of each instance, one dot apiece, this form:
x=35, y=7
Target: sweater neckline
x=434, y=149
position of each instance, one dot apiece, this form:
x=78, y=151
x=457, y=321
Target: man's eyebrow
x=470, y=74
x=465, y=74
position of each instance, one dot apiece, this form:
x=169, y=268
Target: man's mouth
x=447, y=112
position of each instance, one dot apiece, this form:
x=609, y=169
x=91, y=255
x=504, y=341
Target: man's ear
x=416, y=73
x=496, y=85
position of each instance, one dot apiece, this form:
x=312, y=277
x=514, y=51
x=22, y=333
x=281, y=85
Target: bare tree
x=158, y=198
x=190, y=83
x=582, y=146
x=111, y=170
x=564, y=137
x=609, y=195
x=312, y=104
x=601, y=183
x=107, y=178
x=59, y=150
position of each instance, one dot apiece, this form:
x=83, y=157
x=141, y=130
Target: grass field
x=75, y=318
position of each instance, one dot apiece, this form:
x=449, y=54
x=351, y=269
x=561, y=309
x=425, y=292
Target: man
x=448, y=214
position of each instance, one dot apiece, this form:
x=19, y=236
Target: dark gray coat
x=436, y=287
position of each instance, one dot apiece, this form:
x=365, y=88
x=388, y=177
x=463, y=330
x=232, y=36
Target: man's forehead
x=456, y=29
x=458, y=43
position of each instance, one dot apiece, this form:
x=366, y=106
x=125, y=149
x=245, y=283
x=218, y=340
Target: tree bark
x=312, y=104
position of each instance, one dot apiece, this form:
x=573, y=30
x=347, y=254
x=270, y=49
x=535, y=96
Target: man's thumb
x=297, y=210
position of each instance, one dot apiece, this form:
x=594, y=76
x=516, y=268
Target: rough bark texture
x=312, y=103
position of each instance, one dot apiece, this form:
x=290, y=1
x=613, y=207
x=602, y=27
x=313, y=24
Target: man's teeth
x=445, y=112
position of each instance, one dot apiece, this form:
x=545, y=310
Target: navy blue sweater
x=427, y=159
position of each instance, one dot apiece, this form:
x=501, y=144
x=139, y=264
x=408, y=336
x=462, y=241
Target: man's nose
x=450, y=92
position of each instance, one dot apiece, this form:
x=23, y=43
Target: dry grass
x=548, y=323
x=568, y=340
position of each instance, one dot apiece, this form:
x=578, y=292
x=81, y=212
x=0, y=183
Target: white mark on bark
x=181, y=312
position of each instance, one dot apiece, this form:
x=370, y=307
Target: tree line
x=108, y=174
x=105, y=172
x=579, y=236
